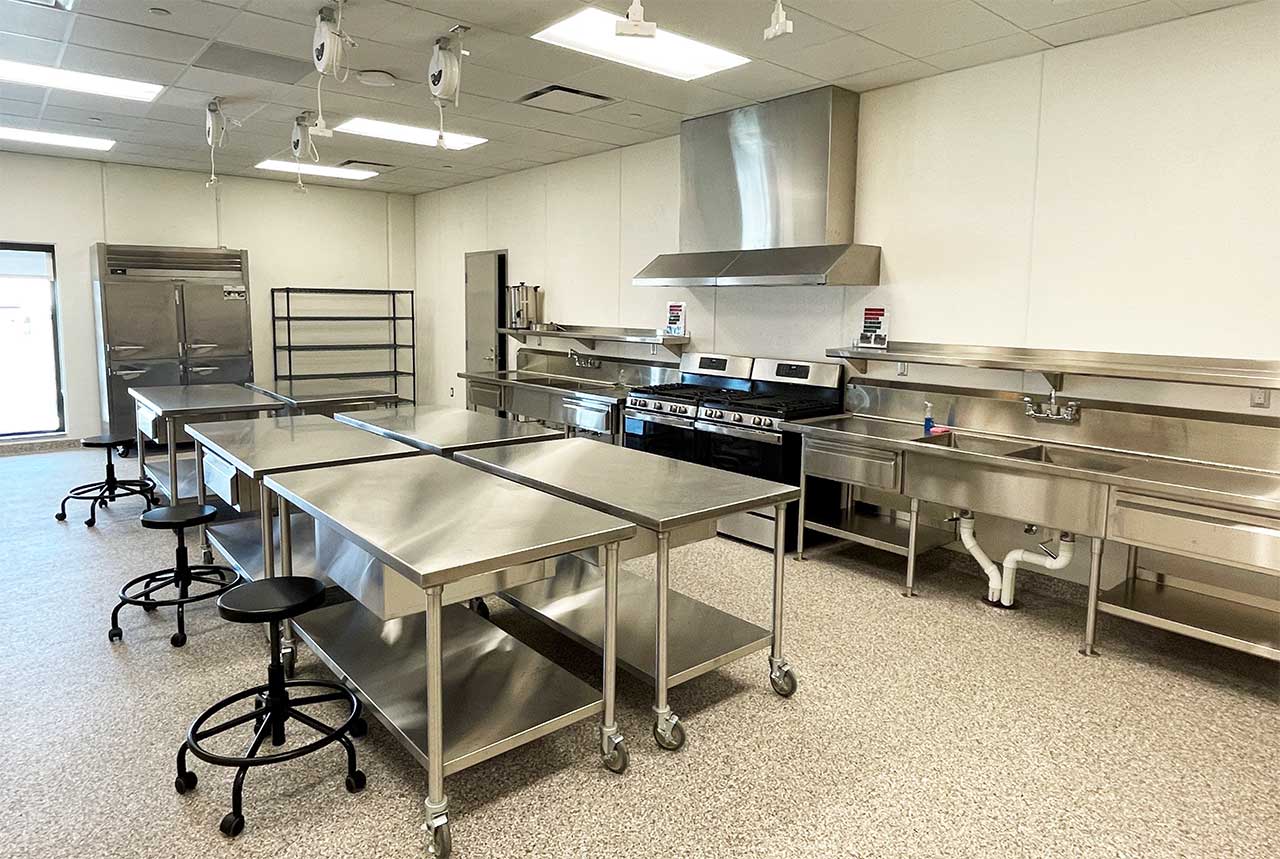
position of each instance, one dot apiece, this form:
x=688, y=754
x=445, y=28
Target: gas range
x=684, y=399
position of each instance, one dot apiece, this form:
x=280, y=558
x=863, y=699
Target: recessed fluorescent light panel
x=33, y=75
x=47, y=138
x=592, y=31
x=306, y=169
x=408, y=133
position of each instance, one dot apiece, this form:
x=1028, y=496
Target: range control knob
x=737, y=419
x=767, y=422
x=756, y=421
x=657, y=407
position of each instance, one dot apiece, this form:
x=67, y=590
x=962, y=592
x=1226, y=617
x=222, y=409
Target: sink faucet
x=1051, y=411
x=589, y=362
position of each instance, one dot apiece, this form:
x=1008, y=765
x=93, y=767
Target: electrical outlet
x=1260, y=398
x=902, y=368
x=451, y=393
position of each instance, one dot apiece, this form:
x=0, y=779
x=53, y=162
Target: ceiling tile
x=1029, y=14
x=520, y=17
x=34, y=21
x=406, y=64
x=132, y=39
x=1106, y=23
x=987, y=52
x=58, y=113
x=491, y=83
x=271, y=35
x=861, y=14
x=24, y=49
x=637, y=115
x=360, y=18
x=840, y=58
x=21, y=92
x=760, y=80
x=522, y=55
x=1195, y=7
x=888, y=76
x=190, y=17
x=418, y=29
x=87, y=101
x=624, y=82
x=12, y=107
x=82, y=59
x=952, y=26
x=237, y=86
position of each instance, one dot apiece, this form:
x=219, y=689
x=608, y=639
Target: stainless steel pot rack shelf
x=589, y=335
x=1054, y=364
x=375, y=326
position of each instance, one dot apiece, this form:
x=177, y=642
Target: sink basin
x=1071, y=458
x=975, y=443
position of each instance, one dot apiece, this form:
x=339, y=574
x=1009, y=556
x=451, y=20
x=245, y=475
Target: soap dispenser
x=928, y=418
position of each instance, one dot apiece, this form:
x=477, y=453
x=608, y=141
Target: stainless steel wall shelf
x=589, y=335
x=1053, y=364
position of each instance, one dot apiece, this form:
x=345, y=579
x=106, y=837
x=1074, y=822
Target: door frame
x=500, y=310
x=54, y=320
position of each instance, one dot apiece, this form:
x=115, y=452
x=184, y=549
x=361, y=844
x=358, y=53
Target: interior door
x=216, y=319
x=485, y=290
x=140, y=320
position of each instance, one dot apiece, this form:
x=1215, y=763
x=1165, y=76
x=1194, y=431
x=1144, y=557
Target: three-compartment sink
x=1108, y=463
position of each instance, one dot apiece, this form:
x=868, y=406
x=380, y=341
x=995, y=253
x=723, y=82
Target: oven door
x=663, y=435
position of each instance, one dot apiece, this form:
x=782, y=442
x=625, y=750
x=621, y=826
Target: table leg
x=206, y=553
x=142, y=455
x=667, y=729
x=437, y=802
x=171, y=434
x=1095, y=582
x=781, y=675
x=800, y=512
x=612, y=748
x=289, y=648
x=911, y=548
x=268, y=535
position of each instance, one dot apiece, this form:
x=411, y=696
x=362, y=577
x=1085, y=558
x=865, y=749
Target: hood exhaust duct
x=766, y=198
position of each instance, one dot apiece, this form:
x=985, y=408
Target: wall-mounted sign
x=675, y=319
x=234, y=293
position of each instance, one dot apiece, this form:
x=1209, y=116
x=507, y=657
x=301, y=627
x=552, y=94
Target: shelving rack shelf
x=362, y=322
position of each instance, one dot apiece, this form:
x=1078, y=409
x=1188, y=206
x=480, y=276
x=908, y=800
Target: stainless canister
x=524, y=305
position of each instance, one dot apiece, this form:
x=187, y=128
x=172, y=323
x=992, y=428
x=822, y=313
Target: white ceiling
x=857, y=44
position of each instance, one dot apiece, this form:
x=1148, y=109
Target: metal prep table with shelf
x=254, y=449
x=446, y=430
x=163, y=411
x=326, y=396
x=664, y=637
x=450, y=686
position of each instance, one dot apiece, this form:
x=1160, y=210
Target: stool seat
x=106, y=439
x=268, y=600
x=181, y=516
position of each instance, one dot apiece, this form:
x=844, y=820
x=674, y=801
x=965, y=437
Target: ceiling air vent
x=563, y=99
x=376, y=166
x=233, y=59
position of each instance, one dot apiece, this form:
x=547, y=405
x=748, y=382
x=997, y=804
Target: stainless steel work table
x=176, y=405
x=434, y=522
x=664, y=637
x=445, y=430
x=325, y=396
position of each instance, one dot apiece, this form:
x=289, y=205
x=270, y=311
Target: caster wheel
x=232, y=824
x=355, y=782
x=784, y=683
x=102, y=503
x=115, y=634
x=618, y=760
x=61, y=517
x=185, y=782
x=442, y=842
x=148, y=608
x=178, y=639
x=89, y=523
x=358, y=728
x=673, y=742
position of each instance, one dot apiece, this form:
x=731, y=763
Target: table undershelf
x=1220, y=621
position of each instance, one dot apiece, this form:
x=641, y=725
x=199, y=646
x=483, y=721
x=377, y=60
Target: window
x=30, y=380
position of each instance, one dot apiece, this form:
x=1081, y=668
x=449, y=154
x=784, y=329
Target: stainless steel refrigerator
x=168, y=316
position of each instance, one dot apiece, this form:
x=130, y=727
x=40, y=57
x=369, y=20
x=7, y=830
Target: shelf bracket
x=859, y=364
x=1054, y=379
x=584, y=343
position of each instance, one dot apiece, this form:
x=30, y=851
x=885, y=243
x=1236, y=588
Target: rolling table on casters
x=446, y=430
x=166, y=408
x=326, y=396
x=275, y=445
x=452, y=687
x=665, y=637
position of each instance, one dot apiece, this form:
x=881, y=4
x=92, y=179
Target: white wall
x=327, y=237
x=1118, y=194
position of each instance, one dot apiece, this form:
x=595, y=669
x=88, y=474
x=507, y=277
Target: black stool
x=181, y=575
x=271, y=601
x=104, y=491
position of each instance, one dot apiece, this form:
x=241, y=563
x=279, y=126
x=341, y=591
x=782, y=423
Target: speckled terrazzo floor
x=925, y=727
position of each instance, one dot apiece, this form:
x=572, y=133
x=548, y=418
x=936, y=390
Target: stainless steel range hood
x=766, y=198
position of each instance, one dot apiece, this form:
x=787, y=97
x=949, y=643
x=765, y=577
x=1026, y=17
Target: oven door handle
x=740, y=432
x=648, y=418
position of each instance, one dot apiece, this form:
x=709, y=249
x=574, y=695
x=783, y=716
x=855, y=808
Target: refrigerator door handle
x=203, y=345
x=128, y=374
x=203, y=371
x=125, y=347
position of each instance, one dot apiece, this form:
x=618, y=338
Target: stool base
x=141, y=592
x=104, y=492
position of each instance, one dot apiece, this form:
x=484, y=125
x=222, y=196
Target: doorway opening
x=31, y=387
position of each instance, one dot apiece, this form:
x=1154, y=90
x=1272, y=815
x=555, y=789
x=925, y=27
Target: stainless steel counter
x=163, y=410
x=436, y=522
x=670, y=499
x=325, y=395
x=443, y=429
x=587, y=388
